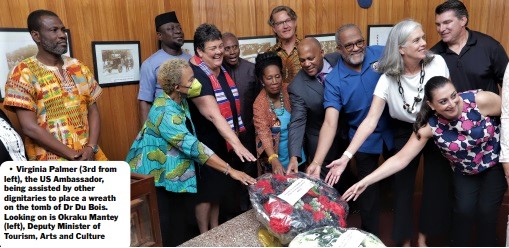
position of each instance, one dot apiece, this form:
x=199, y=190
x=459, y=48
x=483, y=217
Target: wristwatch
x=95, y=148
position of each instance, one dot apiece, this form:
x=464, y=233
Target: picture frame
x=116, y=62
x=16, y=44
x=378, y=34
x=328, y=42
x=250, y=47
x=188, y=47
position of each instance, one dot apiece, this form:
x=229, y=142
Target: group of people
x=212, y=122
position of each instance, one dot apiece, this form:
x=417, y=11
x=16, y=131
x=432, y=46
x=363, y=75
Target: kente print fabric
x=291, y=63
x=166, y=149
x=60, y=102
x=471, y=142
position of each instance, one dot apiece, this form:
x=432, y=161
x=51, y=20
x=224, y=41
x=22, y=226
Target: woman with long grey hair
x=406, y=65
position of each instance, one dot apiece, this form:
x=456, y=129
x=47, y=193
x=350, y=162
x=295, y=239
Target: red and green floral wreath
x=320, y=206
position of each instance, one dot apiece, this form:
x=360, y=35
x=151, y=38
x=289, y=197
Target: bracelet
x=227, y=171
x=348, y=154
x=271, y=157
x=314, y=162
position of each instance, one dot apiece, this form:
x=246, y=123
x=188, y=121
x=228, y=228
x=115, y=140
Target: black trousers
x=237, y=197
x=176, y=217
x=403, y=186
x=478, y=199
x=437, y=193
x=369, y=200
x=436, y=201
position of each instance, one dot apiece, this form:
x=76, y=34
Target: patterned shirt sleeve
x=95, y=89
x=173, y=129
x=19, y=90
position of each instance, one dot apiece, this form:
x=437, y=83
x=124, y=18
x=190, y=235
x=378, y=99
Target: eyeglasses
x=358, y=44
x=281, y=23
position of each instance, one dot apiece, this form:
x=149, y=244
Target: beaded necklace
x=417, y=99
x=280, y=111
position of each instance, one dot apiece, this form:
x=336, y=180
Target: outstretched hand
x=242, y=177
x=243, y=154
x=354, y=191
x=292, y=166
x=336, y=169
x=277, y=167
x=313, y=170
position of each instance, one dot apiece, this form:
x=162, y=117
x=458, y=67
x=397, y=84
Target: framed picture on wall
x=188, y=47
x=16, y=44
x=250, y=47
x=328, y=42
x=377, y=34
x=116, y=62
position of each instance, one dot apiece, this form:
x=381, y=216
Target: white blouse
x=504, y=129
x=387, y=88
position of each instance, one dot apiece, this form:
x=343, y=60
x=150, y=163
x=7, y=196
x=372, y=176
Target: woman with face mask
x=168, y=149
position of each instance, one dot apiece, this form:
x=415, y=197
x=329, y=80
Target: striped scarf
x=222, y=101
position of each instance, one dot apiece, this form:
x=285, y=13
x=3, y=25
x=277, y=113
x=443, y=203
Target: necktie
x=321, y=77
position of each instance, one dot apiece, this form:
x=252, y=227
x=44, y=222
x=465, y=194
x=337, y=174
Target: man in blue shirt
x=349, y=89
x=171, y=37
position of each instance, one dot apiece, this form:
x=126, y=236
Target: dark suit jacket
x=306, y=98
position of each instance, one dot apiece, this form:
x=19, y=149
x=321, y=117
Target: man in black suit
x=306, y=97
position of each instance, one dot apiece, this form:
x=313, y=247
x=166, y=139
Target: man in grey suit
x=306, y=98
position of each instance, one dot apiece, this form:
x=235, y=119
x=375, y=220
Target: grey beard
x=55, y=49
x=353, y=62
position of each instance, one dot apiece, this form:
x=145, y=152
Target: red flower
x=337, y=209
x=318, y=215
x=312, y=193
x=277, y=207
x=291, y=176
x=342, y=222
x=324, y=201
x=280, y=225
x=279, y=177
x=265, y=185
x=308, y=207
x=267, y=207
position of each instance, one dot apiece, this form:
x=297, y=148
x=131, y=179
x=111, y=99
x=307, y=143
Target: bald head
x=310, y=41
x=229, y=35
x=310, y=56
x=231, y=49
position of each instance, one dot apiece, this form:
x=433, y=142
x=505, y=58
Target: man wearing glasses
x=349, y=88
x=283, y=21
